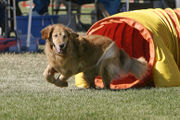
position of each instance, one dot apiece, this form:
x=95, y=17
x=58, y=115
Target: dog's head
x=58, y=35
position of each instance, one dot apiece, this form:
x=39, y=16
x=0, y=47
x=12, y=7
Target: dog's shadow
x=115, y=90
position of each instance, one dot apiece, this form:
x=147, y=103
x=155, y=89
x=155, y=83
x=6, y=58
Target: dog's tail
x=138, y=67
x=108, y=53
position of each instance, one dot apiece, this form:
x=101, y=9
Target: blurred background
x=22, y=20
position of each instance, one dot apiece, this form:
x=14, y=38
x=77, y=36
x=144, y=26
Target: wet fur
x=91, y=54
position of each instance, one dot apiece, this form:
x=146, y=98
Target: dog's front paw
x=60, y=83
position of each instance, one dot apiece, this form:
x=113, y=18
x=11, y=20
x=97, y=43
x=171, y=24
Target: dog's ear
x=46, y=32
x=71, y=33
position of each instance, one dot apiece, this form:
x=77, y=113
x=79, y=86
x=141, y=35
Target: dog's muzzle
x=60, y=49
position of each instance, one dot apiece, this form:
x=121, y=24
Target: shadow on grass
x=115, y=90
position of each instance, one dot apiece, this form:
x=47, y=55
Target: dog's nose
x=61, y=45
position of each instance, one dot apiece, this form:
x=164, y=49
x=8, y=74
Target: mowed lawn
x=25, y=95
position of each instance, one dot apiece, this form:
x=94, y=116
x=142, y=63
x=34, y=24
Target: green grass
x=25, y=95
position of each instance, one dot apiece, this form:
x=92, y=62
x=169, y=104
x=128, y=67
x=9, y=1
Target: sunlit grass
x=24, y=94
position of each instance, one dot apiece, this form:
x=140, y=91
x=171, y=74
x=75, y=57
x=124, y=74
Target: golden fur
x=69, y=54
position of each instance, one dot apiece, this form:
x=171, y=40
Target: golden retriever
x=69, y=53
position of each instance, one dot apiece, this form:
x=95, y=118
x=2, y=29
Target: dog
x=68, y=53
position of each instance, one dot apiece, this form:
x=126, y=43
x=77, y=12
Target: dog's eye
x=64, y=36
x=60, y=34
x=56, y=35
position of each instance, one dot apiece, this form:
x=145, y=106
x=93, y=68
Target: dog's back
x=91, y=48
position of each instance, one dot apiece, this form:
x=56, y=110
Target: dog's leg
x=89, y=76
x=49, y=76
x=61, y=81
x=105, y=74
x=106, y=78
x=49, y=73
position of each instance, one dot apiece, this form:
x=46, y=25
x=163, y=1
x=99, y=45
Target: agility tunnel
x=151, y=33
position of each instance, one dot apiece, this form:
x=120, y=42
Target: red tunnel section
x=135, y=39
